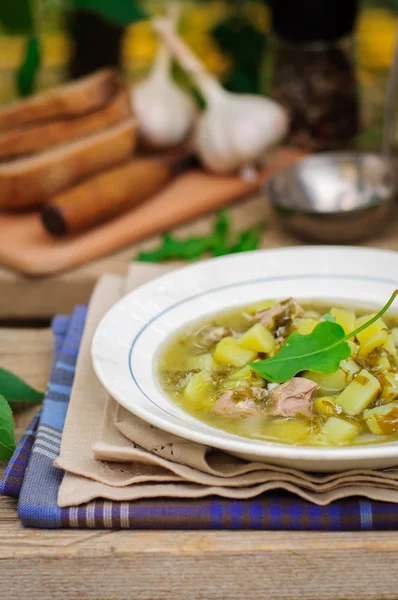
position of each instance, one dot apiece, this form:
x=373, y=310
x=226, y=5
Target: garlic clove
x=237, y=131
x=164, y=112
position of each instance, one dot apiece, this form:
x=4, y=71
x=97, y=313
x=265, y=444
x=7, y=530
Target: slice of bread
x=69, y=100
x=30, y=181
x=39, y=136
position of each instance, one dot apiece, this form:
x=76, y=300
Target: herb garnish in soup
x=307, y=374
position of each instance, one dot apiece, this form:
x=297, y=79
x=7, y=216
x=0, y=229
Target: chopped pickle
x=390, y=345
x=345, y=318
x=339, y=432
x=304, y=325
x=229, y=352
x=247, y=374
x=326, y=405
x=382, y=363
x=200, y=390
x=233, y=384
x=389, y=383
x=376, y=341
x=354, y=348
x=364, y=335
x=244, y=373
x=362, y=390
x=258, y=339
x=382, y=420
x=394, y=333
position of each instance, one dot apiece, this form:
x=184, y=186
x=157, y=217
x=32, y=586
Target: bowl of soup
x=194, y=353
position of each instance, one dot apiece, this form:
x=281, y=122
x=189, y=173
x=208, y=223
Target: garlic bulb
x=235, y=130
x=165, y=113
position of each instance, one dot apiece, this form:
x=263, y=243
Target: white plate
x=129, y=338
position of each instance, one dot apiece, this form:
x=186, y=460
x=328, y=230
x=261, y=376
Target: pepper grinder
x=313, y=73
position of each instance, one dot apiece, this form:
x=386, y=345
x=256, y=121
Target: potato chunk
x=199, y=390
x=337, y=381
x=258, y=339
x=305, y=325
x=372, y=343
x=345, y=318
x=364, y=335
x=259, y=306
x=339, y=432
x=362, y=390
x=382, y=420
x=200, y=361
x=287, y=430
x=228, y=352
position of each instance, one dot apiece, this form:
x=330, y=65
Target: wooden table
x=163, y=565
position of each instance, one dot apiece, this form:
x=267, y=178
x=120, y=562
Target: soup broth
x=206, y=370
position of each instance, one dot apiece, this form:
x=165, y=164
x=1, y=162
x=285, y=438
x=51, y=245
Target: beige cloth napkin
x=109, y=453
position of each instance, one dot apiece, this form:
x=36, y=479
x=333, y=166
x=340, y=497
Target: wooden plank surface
x=27, y=298
x=165, y=565
x=173, y=565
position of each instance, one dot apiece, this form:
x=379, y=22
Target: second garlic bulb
x=165, y=113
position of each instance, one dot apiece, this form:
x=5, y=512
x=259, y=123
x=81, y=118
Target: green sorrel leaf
x=16, y=390
x=7, y=438
x=321, y=351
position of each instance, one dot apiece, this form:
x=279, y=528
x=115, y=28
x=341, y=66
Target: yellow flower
x=376, y=39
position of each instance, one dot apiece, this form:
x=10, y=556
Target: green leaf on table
x=16, y=390
x=7, y=437
x=249, y=240
x=27, y=72
x=173, y=248
x=118, y=12
x=322, y=350
x=16, y=16
x=216, y=243
x=222, y=227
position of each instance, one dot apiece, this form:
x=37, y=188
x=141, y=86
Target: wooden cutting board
x=26, y=247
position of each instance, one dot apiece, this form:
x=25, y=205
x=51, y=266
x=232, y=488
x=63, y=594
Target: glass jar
x=316, y=82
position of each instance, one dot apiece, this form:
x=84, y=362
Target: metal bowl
x=334, y=197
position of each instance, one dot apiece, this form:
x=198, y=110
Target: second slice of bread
x=39, y=136
x=31, y=181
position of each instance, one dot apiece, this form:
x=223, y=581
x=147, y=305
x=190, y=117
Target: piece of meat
x=293, y=398
x=242, y=402
x=280, y=314
x=211, y=335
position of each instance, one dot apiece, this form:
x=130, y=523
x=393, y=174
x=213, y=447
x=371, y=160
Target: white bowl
x=127, y=342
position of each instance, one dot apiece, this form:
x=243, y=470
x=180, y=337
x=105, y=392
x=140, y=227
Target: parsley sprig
x=219, y=242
